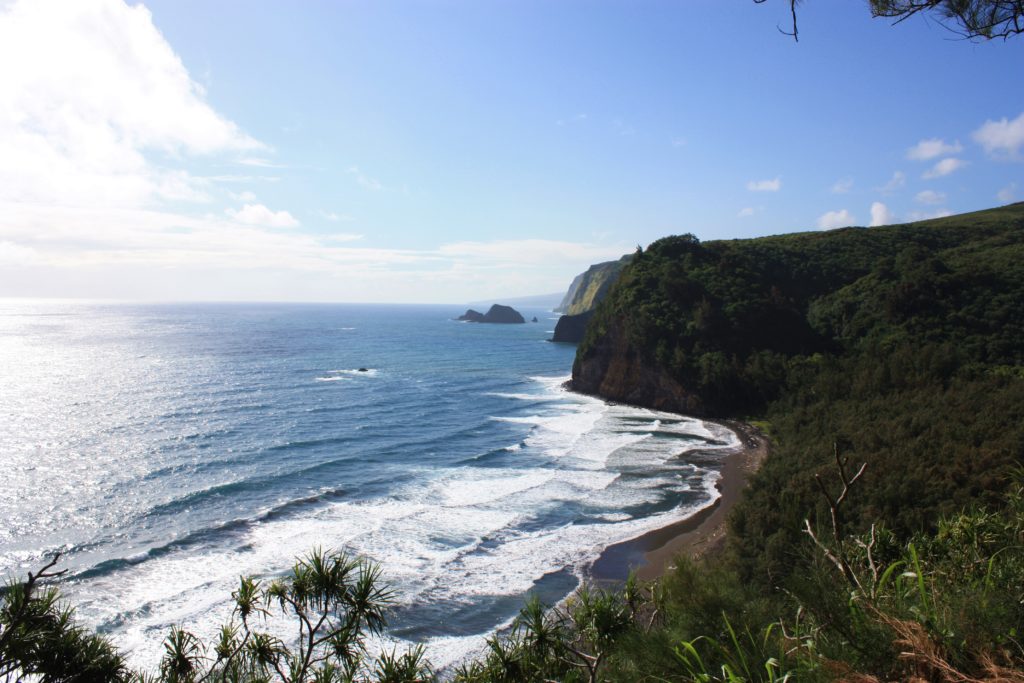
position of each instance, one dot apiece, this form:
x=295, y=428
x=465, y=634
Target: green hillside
x=904, y=344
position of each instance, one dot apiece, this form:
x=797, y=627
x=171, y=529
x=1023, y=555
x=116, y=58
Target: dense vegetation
x=904, y=344
x=900, y=348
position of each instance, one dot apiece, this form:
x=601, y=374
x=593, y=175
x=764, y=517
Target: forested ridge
x=902, y=345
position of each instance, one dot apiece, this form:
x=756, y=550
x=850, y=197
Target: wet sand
x=698, y=535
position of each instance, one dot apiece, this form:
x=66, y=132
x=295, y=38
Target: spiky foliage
x=39, y=637
x=335, y=602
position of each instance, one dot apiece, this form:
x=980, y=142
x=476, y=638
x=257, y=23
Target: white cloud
x=260, y=162
x=944, y=168
x=1002, y=137
x=145, y=253
x=933, y=147
x=897, y=182
x=12, y=254
x=258, y=214
x=528, y=252
x=578, y=118
x=835, y=219
x=745, y=212
x=98, y=96
x=880, y=215
x=343, y=237
x=773, y=185
x=364, y=180
x=930, y=197
x=842, y=186
x=678, y=142
x=244, y=196
x=335, y=217
x=1007, y=194
x=928, y=215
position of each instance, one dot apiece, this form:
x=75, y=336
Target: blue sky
x=446, y=151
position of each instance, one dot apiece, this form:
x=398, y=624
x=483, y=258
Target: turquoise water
x=166, y=449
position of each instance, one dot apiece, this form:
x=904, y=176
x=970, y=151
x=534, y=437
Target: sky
x=444, y=151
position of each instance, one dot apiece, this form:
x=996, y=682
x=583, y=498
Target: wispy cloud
x=746, y=212
x=773, y=185
x=678, y=142
x=578, y=118
x=928, y=215
x=335, y=217
x=944, y=168
x=929, y=197
x=530, y=251
x=897, y=182
x=258, y=214
x=842, y=186
x=260, y=162
x=364, y=180
x=194, y=253
x=1007, y=194
x=931, y=148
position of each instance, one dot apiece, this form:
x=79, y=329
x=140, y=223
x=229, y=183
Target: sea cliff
x=590, y=287
x=615, y=369
x=587, y=290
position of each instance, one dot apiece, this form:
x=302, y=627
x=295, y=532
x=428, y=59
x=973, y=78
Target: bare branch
x=837, y=554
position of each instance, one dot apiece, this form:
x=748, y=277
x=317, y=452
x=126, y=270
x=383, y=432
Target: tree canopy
x=971, y=19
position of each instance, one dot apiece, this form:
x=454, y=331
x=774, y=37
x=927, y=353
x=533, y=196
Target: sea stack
x=496, y=314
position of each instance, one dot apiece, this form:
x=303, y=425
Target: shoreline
x=701, y=534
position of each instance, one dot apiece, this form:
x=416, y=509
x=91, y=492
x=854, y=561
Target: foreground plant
x=39, y=636
x=335, y=602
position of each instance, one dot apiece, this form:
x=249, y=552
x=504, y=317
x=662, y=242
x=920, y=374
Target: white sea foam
x=522, y=397
x=359, y=372
x=451, y=534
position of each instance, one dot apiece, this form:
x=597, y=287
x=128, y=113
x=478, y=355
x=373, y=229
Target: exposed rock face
x=570, y=328
x=496, y=314
x=503, y=314
x=613, y=369
x=587, y=289
x=472, y=316
x=585, y=293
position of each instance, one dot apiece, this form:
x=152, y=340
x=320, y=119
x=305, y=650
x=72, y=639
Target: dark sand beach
x=652, y=553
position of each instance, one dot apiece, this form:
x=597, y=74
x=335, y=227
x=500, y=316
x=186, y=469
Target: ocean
x=165, y=449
